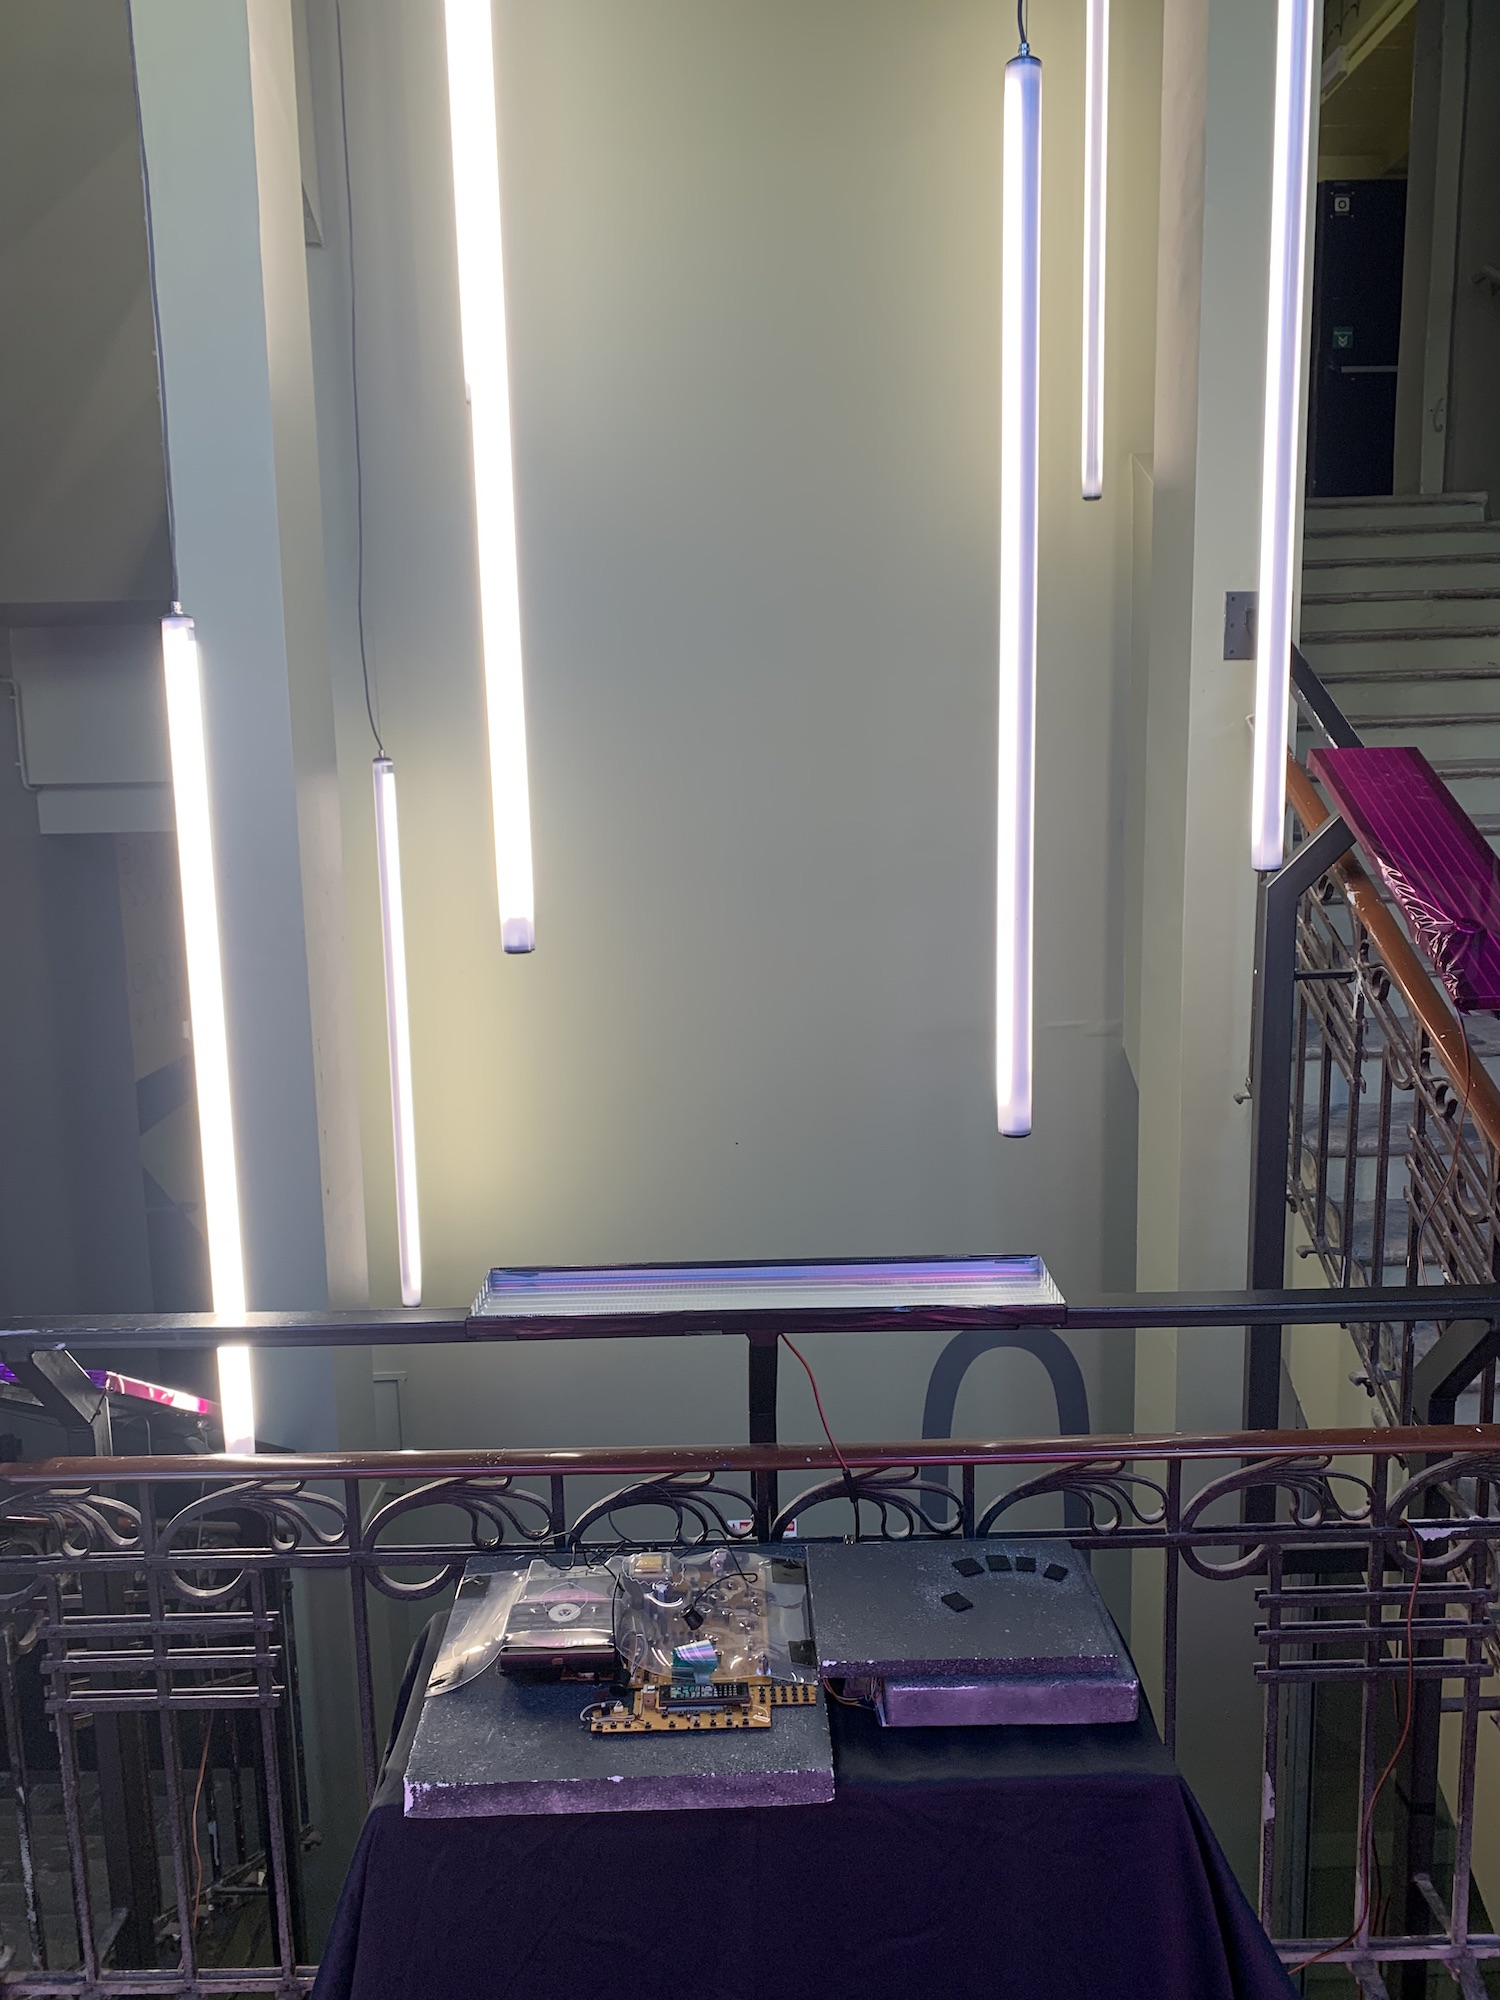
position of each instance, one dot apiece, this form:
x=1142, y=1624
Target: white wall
x=752, y=253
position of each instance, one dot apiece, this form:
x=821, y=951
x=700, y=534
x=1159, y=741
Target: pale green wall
x=753, y=269
x=82, y=514
x=1197, y=886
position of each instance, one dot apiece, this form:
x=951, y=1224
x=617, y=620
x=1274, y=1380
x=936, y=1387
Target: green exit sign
x=1343, y=337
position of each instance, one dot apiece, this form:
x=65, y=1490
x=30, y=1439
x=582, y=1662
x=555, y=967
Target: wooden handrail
x=641, y=1462
x=1418, y=988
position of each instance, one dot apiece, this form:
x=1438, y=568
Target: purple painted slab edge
x=1062, y=1700
x=685, y=1791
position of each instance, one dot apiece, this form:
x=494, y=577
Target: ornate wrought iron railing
x=155, y=1598
x=1394, y=1163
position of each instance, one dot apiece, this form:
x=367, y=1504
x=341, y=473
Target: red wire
x=1301, y=1965
x=822, y=1419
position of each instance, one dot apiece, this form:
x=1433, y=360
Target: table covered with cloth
x=953, y=1864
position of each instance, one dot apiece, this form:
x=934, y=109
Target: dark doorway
x=1356, y=335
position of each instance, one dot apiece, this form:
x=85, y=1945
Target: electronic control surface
x=981, y=1632
x=505, y=1744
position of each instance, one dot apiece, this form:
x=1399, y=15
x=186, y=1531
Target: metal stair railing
x=1376, y=1124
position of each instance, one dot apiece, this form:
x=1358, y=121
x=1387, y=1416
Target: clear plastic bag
x=752, y=1608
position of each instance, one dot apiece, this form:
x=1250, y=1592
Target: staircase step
x=1453, y=719
x=1405, y=676
x=1334, y=543
x=1402, y=649
x=1424, y=705
x=1458, y=770
x=1401, y=620
x=1472, y=734
x=1340, y=614
x=1415, y=573
x=1382, y=509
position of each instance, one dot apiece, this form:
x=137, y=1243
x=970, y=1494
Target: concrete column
x=219, y=122
x=1197, y=886
x=1439, y=75
x=1198, y=889
x=1473, y=416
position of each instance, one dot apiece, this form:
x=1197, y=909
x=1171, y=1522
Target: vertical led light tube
x=398, y=1031
x=481, y=302
x=1279, y=453
x=1095, y=199
x=200, y=925
x=1020, y=337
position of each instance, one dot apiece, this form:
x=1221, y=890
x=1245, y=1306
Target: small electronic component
x=698, y=1661
x=1027, y=1640
x=705, y=1642
x=697, y=1705
x=680, y=1695
x=561, y=1625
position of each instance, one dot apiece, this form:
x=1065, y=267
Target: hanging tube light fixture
x=200, y=924
x=398, y=1031
x=1020, y=336
x=1095, y=196
x=1279, y=453
x=481, y=300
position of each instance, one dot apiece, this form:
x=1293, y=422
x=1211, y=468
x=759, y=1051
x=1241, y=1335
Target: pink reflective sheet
x=1432, y=858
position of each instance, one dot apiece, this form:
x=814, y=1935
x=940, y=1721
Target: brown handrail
x=640, y=1462
x=1418, y=988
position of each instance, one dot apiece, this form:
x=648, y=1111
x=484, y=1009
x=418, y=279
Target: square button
x=966, y=1566
x=956, y=1601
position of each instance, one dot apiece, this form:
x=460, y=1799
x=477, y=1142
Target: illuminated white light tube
x=481, y=301
x=1020, y=335
x=1095, y=196
x=200, y=926
x=398, y=1031
x=1279, y=455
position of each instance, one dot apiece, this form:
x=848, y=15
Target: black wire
x=1021, y=25
x=713, y=1583
x=359, y=464
x=161, y=376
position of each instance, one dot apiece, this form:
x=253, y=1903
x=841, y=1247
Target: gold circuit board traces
x=658, y=1707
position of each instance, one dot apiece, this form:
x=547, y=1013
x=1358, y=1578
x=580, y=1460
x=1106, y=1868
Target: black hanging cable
x=359, y=467
x=1021, y=27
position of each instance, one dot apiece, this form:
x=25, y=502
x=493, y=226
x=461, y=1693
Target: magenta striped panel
x=1432, y=857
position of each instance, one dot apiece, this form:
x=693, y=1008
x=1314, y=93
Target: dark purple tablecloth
x=995, y=1864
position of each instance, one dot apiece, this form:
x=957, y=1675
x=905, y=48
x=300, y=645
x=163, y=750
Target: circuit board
x=715, y=1599
x=660, y=1706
